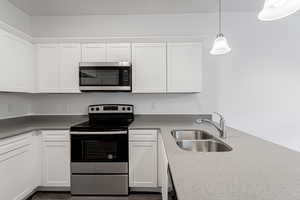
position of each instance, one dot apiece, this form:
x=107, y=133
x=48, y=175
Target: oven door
x=99, y=147
x=104, y=78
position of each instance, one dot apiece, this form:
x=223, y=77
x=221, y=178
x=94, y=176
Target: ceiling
x=98, y=7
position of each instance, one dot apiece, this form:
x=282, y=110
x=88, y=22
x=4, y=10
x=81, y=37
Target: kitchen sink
x=198, y=141
x=191, y=135
x=203, y=146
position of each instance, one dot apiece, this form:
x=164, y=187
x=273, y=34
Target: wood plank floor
x=67, y=196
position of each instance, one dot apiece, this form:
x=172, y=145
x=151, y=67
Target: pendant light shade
x=277, y=9
x=220, y=46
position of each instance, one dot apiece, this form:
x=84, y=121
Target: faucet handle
x=220, y=115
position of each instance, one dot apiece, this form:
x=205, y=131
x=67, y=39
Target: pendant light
x=277, y=9
x=220, y=45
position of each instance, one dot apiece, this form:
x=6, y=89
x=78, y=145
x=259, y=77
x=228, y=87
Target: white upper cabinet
x=57, y=68
x=48, y=62
x=149, y=68
x=118, y=52
x=94, y=52
x=69, y=67
x=184, y=67
x=100, y=52
x=16, y=64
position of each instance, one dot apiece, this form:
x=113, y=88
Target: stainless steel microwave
x=105, y=76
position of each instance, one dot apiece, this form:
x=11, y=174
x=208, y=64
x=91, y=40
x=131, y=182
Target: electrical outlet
x=153, y=106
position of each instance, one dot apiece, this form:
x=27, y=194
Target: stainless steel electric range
x=99, y=151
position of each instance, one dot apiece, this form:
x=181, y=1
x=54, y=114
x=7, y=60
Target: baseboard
x=145, y=189
x=53, y=189
x=30, y=194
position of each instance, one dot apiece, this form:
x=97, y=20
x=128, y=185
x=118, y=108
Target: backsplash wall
x=14, y=105
x=67, y=104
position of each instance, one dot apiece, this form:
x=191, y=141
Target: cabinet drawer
x=56, y=135
x=142, y=135
x=14, y=143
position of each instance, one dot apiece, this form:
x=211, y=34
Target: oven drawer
x=143, y=135
x=90, y=167
x=99, y=184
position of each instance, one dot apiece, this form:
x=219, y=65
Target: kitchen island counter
x=254, y=170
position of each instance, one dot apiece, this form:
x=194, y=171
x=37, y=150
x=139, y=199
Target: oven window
x=99, y=148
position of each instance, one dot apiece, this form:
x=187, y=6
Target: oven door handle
x=98, y=133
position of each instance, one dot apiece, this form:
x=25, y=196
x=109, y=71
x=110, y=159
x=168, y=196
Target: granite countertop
x=20, y=125
x=254, y=170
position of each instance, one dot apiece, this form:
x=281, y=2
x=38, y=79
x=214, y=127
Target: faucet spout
x=220, y=127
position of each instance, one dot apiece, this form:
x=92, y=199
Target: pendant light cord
x=220, y=16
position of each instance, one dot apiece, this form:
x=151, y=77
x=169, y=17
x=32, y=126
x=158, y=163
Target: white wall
x=259, y=81
x=13, y=105
x=13, y=16
x=255, y=86
x=144, y=103
x=122, y=25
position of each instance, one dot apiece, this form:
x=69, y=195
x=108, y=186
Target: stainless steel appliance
x=99, y=151
x=105, y=76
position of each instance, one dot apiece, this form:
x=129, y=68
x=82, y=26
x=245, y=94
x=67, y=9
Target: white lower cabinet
x=36, y=159
x=143, y=164
x=142, y=159
x=42, y=158
x=56, y=159
x=17, y=166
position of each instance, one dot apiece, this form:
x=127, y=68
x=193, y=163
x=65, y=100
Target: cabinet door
x=48, y=60
x=15, y=168
x=30, y=62
x=36, y=159
x=149, y=68
x=118, y=52
x=143, y=164
x=15, y=64
x=56, y=163
x=69, y=68
x=184, y=67
x=93, y=52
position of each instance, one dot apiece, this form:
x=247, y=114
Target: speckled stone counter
x=254, y=170
x=20, y=125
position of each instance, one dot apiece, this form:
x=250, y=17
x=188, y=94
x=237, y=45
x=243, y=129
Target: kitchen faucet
x=220, y=128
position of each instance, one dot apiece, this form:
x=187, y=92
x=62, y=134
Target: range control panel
x=111, y=108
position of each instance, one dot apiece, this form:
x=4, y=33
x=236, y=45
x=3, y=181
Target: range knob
x=92, y=109
x=123, y=108
x=97, y=109
x=128, y=108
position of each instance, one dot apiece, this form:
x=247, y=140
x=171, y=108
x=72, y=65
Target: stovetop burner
x=106, y=117
x=102, y=126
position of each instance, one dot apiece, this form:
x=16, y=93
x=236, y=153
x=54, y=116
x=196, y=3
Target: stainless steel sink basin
x=191, y=135
x=203, y=146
